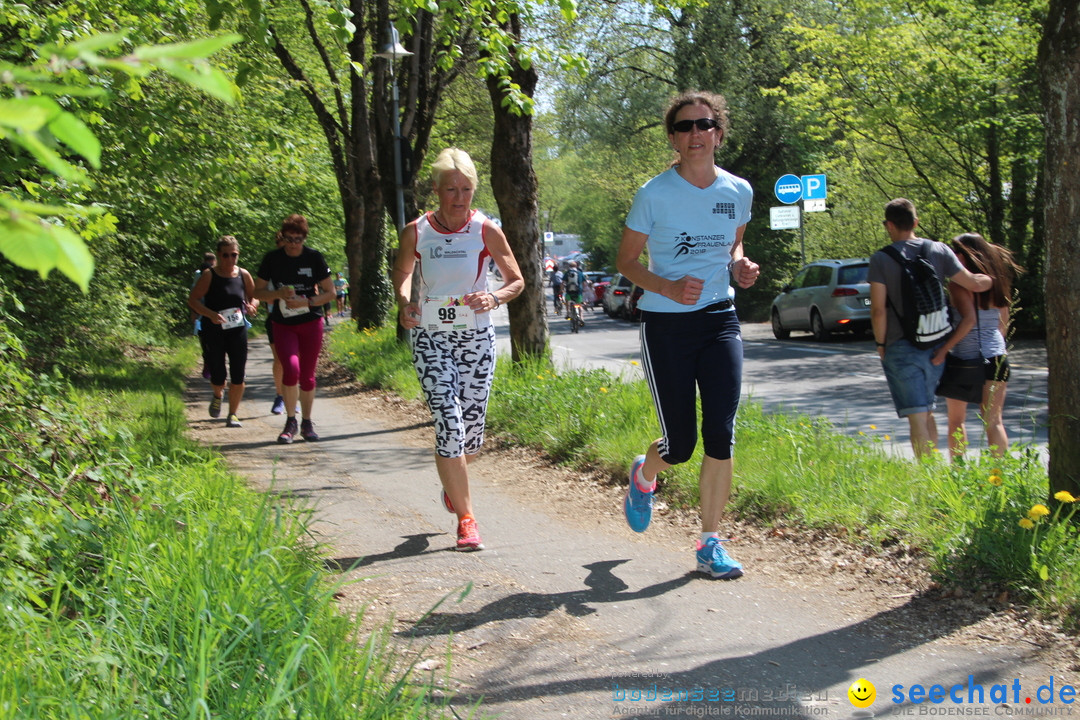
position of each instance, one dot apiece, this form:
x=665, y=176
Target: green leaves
x=35, y=236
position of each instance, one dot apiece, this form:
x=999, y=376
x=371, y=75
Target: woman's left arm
x=499, y=249
x=325, y=294
x=744, y=271
x=251, y=301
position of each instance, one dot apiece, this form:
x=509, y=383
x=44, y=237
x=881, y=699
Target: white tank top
x=452, y=263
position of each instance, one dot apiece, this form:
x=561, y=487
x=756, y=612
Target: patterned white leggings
x=455, y=370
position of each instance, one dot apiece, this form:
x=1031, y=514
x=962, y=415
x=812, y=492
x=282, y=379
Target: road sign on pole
x=784, y=217
x=814, y=187
x=814, y=205
x=788, y=189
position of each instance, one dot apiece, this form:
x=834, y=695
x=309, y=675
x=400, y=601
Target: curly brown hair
x=713, y=101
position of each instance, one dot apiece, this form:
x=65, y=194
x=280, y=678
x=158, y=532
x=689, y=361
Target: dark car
x=826, y=296
x=600, y=282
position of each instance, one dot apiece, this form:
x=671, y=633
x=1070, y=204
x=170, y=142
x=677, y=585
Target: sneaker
x=713, y=560
x=233, y=421
x=279, y=406
x=215, y=408
x=468, y=538
x=638, y=504
x=286, y=436
x=446, y=502
x=307, y=431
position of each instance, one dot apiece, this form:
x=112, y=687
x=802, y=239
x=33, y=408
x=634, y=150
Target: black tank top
x=225, y=293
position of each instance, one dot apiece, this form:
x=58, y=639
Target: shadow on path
x=603, y=587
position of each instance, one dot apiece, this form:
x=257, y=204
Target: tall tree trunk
x=997, y=201
x=1059, y=60
x=514, y=184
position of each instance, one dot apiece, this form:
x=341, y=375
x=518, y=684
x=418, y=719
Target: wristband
x=881, y=344
x=496, y=299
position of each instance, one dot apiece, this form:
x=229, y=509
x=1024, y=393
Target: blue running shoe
x=638, y=504
x=713, y=560
x=278, y=408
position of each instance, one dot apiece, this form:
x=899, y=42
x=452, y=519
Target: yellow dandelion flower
x=888, y=438
x=1064, y=496
x=539, y=377
x=1038, y=511
x=1026, y=524
x=995, y=471
x=862, y=433
x=634, y=362
x=873, y=427
x=603, y=390
x=995, y=480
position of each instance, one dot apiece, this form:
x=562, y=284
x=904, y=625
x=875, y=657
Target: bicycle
x=558, y=303
x=577, y=321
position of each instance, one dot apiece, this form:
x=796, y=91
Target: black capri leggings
x=684, y=352
x=220, y=344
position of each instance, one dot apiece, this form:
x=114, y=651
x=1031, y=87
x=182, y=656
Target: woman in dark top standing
x=302, y=287
x=224, y=295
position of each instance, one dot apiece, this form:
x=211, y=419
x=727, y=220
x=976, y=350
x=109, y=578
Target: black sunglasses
x=294, y=238
x=703, y=124
x=228, y=255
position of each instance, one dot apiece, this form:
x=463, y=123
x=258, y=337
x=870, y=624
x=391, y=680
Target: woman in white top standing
x=981, y=333
x=452, y=338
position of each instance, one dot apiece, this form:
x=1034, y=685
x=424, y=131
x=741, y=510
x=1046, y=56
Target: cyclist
x=557, y=289
x=574, y=281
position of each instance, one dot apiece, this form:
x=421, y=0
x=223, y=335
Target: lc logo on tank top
x=438, y=252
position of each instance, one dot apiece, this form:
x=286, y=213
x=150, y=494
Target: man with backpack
x=910, y=316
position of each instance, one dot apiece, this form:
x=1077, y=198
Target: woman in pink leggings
x=296, y=280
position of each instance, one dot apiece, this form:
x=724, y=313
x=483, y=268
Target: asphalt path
x=569, y=614
x=841, y=380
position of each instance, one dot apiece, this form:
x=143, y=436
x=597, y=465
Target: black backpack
x=924, y=316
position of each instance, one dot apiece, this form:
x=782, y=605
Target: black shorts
x=997, y=369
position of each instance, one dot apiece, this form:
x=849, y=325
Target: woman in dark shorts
x=981, y=333
x=223, y=296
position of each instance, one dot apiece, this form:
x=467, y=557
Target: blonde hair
x=454, y=159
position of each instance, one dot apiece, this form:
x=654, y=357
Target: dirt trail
x=571, y=614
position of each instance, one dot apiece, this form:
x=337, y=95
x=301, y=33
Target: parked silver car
x=826, y=296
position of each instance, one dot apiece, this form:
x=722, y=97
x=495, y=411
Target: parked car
x=826, y=296
x=615, y=296
x=621, y=299
x=600, y=282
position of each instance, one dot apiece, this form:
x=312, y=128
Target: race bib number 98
x=446, y=314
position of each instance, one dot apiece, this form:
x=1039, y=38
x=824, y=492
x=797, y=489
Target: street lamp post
x=391, y=51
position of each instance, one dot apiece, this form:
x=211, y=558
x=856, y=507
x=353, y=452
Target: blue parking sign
x=788, y=189
x=814, y=187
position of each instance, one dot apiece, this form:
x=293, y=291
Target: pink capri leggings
x=298, y=348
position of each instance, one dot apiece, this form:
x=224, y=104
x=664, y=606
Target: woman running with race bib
x=224, y=295
x=452, y=339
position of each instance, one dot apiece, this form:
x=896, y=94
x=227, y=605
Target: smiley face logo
x=862, y=693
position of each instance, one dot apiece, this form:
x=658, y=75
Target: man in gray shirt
x=911, y=375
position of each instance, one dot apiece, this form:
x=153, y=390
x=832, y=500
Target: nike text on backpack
x=924, y=315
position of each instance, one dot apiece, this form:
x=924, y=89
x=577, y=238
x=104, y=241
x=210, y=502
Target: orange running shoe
x=468, y=538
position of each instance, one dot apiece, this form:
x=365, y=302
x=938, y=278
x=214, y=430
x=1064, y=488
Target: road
x=841, y=380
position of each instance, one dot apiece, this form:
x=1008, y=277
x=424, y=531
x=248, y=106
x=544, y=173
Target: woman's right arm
x=195, y=299
x=964, y=302
x=686, y=290
x=404, y=263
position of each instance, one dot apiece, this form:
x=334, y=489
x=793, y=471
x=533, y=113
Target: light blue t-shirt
x=691, y=231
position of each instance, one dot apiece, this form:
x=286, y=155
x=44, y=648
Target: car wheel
x=778, y=330
x=817, y=326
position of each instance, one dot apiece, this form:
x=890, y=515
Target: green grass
x=139, y=578
x=790, y=470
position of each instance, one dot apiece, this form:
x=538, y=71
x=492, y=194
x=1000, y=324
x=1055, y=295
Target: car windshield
x=852, y=274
